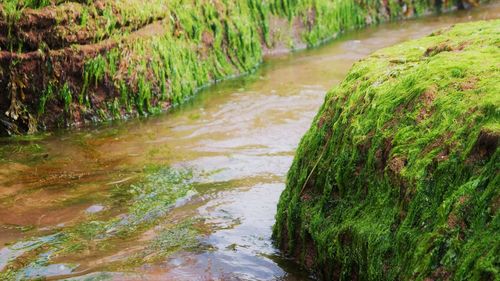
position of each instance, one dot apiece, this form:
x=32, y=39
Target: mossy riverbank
x=398, y=176
x=67, y=63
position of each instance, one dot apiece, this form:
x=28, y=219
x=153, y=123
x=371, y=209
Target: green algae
x=147, y=201
x=397, y=179
x=25, y=149
x=169, y=239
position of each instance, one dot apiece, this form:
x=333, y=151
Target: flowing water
x=238, y=139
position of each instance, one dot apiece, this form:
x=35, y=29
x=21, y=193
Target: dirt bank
x=397, y=179
x=67, y=63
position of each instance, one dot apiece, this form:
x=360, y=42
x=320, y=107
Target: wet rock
x=406, y=185
x=94, y=209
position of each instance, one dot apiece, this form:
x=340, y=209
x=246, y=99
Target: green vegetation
x=148, y=201
x=12, y=9
x=123, y=58
x=25, y=149
x=183, y=236
x=397, y=179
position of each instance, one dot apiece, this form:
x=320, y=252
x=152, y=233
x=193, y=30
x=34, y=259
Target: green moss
x=398, y=178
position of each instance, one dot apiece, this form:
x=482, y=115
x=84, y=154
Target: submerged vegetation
x=398, y=177
x=148, y=201
x=70, y=62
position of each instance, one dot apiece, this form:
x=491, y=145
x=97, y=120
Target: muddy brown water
x=238, y=136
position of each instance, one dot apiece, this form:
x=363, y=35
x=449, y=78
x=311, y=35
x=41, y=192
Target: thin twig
x=314, y=168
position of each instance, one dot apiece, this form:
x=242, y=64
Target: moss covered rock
x=398, y=177
x=72, y=62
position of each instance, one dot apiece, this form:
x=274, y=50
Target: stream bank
x=70, y=63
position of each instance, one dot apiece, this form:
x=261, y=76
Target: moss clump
x=398, y=177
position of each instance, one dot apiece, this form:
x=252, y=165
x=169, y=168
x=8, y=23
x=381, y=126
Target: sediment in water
x=397, y=178
x=66, y=63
